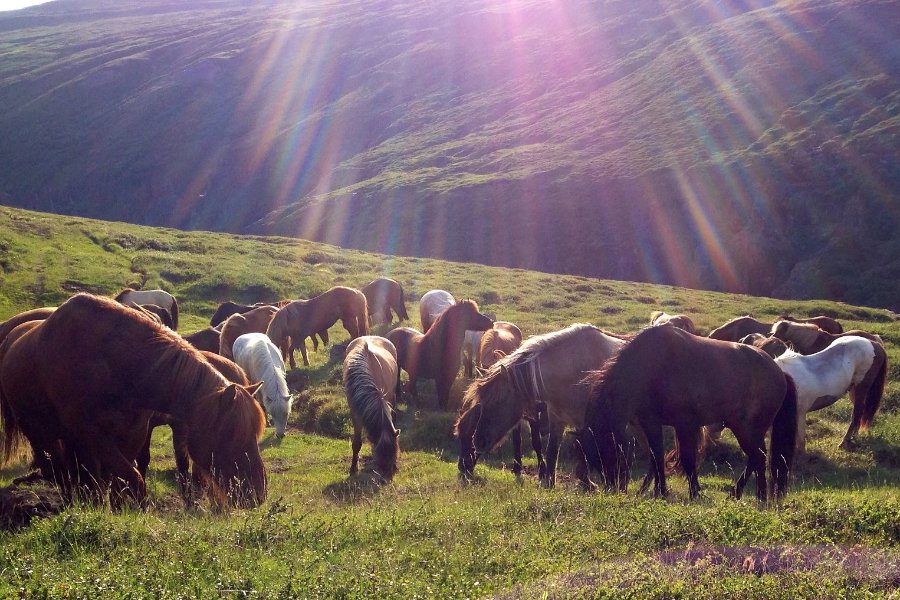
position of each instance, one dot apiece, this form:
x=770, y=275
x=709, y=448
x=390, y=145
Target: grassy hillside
x=754, y=141
x=428, y=534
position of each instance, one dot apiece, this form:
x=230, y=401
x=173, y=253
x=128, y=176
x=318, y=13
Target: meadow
x=429, y=533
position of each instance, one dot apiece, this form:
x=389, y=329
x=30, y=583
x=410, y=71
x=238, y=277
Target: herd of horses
x=84, y=384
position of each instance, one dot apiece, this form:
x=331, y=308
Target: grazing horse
x=807, y=338
x=432, y=304
x=735, y=329
x=851, y=364
x=684, y=322
x=254, y=321
x=302, y=318
x=545, y=370
x=822, y=322
x=160, y=298
x=157, y=313
x=370, y=380
x=436, y=353
x=81, y=386
x=383, y=295
x=208, y=339
x=500, y=340
x=35, y=314
x=770, y=345
x=666, y=376
x=261, y=360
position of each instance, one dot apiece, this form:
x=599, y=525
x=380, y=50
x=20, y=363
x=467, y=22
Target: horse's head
x=780, y=329
x=278, y=408
x=473, y=320
x=387, y=452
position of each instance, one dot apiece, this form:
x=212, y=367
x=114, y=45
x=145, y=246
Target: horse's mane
x=120, y=295
x=365, y=399
x=438, y=329
x=273, y=377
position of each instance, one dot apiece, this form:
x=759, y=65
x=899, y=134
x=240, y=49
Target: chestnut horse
x=302, y=318
x=666, y=376
x=382, y=296
x=436, y=353
x=207, y=339
x=370, y=380
x=735, y=329
x=432, y=304
x=80, y=387
x=254, y=321
x=35, y=314
x=807, y=338
x=824, y=323
x=545, y=371
x=160, y=298
x=684, y=322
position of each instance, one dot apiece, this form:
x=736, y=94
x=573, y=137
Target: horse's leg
x=323, y=335
x=858, y=398
x=538, y=444
x=754, y=446
x=687, y=442
x=315, y=342
x=801, y=431
x=556, y=433
x=143, y=459
x=182, y=461
x=657, y=462
x=301, y=345
x=517, y=449
x=356, y=444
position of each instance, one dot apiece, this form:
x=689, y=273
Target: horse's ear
x=229, y=393
x=253, y=387
x=396, y=433
x=498, y=354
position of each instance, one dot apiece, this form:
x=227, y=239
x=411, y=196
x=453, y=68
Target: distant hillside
x=744, y=145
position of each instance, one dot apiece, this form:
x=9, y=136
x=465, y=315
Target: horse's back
x=432, y=304
x=383, y=358
x=35, y=314
x=735, y=329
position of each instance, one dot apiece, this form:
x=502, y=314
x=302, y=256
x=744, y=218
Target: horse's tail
x=400, y=307
x=673, y=456
x=784, y=438
x=374, y=412
x=875, y=391
x=362, y=317
x=13, y=438
x=174, y=312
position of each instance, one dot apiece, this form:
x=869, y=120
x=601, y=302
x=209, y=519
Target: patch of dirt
x=19, y=506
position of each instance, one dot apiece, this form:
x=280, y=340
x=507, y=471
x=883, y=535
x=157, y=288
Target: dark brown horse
x=207, y=340
x=735, y=329
x=81, y=385
x=824, y=323
x=437, y=353
x=382, y=296
x=302, y=318
x=254, y=321
x=807, y=338
x=665, y=376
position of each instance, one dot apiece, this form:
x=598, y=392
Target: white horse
x=850, y=363
x=431, y=306
x=160, y=298
x=261, y=359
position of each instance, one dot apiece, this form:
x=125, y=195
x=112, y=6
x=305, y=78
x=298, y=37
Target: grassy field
x=429, y=534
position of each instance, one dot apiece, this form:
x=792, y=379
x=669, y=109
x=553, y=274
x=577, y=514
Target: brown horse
x=382, y=296
x=665, y=376
x=807, y=338
x=160, y=298
x=498, y=341
x=302, y=318
x=436, y=354
x=770, y=345
x=370, y=380
x=207, y=340
x=35, y=314
x=81, y=385
x=152, y=311
x=822, y=322
x=254, y=321
x=684, y=322
x=735, y=329
x=233, y=373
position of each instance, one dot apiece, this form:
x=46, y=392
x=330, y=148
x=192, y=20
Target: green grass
x=429, y=534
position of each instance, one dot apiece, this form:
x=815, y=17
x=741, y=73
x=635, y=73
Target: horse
x=436, y=353
x=770, y=345
x=471, y=342
x=160, y=298
x=498, y=341
x=431, y=305
x=807, y=338
x=666, y=376
x=301, y=318
x=260, y=358
x=370, y=379
x=383, y=295
x=226, y=309
x=545, y=370
x=254, y=321
x=208, y=339
x=824, y=323
x=735, y=329
x=35, y=314
x=157, y=313
x=81, y=385
x=684, y=322
x=233, y=373
x=850, y=363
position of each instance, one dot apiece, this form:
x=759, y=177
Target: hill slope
x=744, y=146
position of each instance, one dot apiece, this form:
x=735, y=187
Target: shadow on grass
x=356, y=488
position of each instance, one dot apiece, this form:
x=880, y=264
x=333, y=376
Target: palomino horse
x=261, y=360
x=546, y=370
x=851, y=364
x=824, y=323
x=80, y=387
x=658, y=317
x=160, y=298
x=436, y=353
x=807, y=338
x=735, y=329
x=370, y=380
x=382, y=296
x=302, y=318
x=431, y=305
x=254, y=321
x=666, y=376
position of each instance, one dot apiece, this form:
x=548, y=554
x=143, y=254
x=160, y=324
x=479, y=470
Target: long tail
x=362, y=318
x=876, y=390
x=400, y=309
x=13, y=438
x=784, y=439
x=174, y=314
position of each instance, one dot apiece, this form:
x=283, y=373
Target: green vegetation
x=428, y=534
